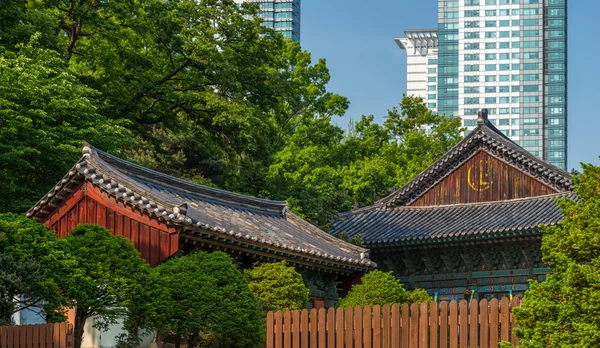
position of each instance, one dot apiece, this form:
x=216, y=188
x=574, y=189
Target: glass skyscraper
x=281, y=15
x=509, y=56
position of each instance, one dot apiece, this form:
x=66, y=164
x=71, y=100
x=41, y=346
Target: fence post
x=270, y=327
x=386, y=326
x=464, y=324
x=287, y=329
x=376, y=326
x=278, y=330
x=433, y=322
x=414, y=325
x=304, y=331
x=349, y=323
x=483, y=324
x=339, y=328
x=405, y=326
x=395, y=325
x=296, y=329
x=444, y=324
x=367, y=322
x=358, y=326
x=504, y=319
x=474, y=322
x=494, y=328
x=423, y=325
x=322, y=328
x=331, y=327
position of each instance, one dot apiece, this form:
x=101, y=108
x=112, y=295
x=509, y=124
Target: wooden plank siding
x=483, y=178
x=58, y=335
x=152, y=238
x=427, y=325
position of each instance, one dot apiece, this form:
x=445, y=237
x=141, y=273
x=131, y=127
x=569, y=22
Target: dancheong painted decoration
x=468, y=225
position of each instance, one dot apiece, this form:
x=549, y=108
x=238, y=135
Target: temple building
x=165, y=216
x=468, y=225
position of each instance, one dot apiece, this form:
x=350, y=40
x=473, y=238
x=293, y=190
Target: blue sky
x=366, y=65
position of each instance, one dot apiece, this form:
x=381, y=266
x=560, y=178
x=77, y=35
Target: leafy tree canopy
x=211, y=303
x=562, y=311
x=45, y=115
x=98, y=273
x=321, y=172
x=23, y=280
x=278, y=286
x=379, y=288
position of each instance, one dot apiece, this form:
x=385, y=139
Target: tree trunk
x=192, y=341
x=80, y=319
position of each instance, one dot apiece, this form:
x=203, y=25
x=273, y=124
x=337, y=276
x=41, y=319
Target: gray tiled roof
x=255, y=221
x=488, y=137
x=406, y=225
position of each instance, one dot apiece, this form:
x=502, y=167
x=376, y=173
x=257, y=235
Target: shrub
x=379, y=288
x=278, y=286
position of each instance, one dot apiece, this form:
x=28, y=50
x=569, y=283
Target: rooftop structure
x=470, y=221
x=165, y=216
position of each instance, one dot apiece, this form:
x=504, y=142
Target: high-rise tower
x=421, y=65
x=510, y=57
x=281, y=15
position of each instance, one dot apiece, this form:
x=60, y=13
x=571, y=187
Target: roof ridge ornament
x=86, y=150
x=482, y=116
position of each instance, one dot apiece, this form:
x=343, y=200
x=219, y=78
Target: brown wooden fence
x=37, y=336
x=461, y=324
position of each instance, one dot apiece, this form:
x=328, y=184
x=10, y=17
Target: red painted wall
x=153, y=238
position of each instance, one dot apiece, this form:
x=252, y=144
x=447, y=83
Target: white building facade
x=421, y=64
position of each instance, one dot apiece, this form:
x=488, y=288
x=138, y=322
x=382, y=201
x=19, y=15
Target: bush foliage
x=211, y=304
x=379, y=288
x=278, y=286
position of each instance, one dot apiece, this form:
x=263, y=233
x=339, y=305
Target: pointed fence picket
x=481, y=324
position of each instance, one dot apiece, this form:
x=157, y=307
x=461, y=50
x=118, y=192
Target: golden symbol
x=483, y=175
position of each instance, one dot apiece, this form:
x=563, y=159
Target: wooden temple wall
x=483, y=178
x=153, y=239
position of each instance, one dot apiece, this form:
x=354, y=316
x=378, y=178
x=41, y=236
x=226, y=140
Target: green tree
x=211, y=303
x=379, y=288
x=321, y=173
x=562, y=311
x=19, y=21
x=212, y=93
x=305, y=172
x=278, y=286
x=45, y=115
x=389, y=155
x=98, y=274
x=23, y=280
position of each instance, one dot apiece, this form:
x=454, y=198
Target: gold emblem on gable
x=478, y=176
